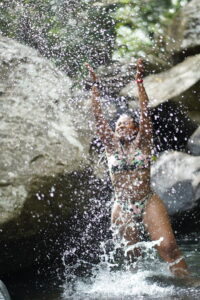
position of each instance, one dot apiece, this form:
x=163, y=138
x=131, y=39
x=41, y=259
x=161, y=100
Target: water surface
x=148, y=279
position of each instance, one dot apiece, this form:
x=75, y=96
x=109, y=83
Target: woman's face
x=126, y=128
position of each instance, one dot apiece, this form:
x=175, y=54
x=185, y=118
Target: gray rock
x=117, y=74
x=194, y=143
x=184, y=32
x=4, y=295
x=180, y=84
x=45, y=167
x=43, y=131
x=176, y=179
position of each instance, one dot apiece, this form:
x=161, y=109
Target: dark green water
x=151, y=280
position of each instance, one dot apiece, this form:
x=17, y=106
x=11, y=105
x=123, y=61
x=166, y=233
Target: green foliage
x=140, y=24
x=7, y=18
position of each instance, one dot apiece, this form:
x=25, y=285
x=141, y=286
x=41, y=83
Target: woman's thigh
x=157, y=221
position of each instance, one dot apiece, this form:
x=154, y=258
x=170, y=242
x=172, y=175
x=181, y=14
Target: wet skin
x=134, y=184
x=123, y=182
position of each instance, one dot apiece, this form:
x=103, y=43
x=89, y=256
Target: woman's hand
x=92, y=73
x=140, y=71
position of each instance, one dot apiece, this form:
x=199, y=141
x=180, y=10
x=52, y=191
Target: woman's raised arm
x=146, y=134
x=103, y=129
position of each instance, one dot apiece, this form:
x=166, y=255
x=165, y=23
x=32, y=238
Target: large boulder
x=176, y=179
x=39, y=137
x=45, y=142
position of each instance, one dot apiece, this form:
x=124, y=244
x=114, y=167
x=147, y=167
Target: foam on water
x=121, y=276
x=112, y=280
x=116, y=285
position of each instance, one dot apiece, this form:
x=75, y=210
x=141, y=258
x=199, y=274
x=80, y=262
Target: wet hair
x=133, y=114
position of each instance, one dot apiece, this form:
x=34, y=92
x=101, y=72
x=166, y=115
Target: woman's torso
x=129, y=171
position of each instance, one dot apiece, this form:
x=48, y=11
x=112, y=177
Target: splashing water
x=108, y=285
x=117, y=276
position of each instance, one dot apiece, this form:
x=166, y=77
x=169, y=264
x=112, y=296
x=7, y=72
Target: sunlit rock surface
x=194, y=143
x=180, y=83
x=38, y=134
x=176, y=179
x=116, y=75
x=184, y=32
x=45, y=138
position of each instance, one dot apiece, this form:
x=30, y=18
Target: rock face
x=180, y=84
x=184, y=32
x=176, y=179
x=117, y=74
x=38, y=135
x=45, y=138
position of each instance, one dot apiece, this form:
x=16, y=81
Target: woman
x=129, y=150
